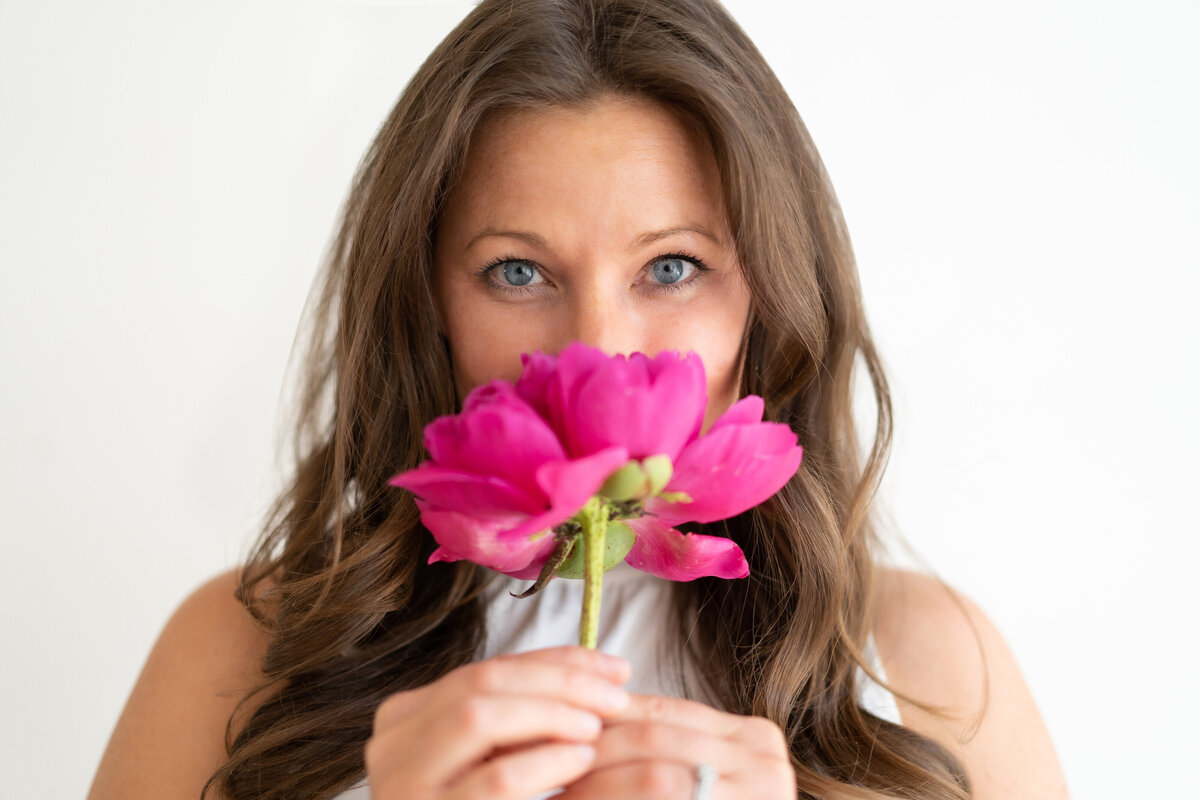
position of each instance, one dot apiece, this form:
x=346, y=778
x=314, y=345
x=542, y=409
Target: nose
x=606, y=319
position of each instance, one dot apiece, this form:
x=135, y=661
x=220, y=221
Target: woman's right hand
x=508, y=727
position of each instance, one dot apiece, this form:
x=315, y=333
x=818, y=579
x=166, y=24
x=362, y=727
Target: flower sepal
x=618, y=541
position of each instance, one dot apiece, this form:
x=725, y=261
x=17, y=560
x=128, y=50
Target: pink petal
x=746, y=411
x=547, y=385
x=483, y=495
x=564, y=391
x=667, y=553
x=682, y=379
x=729, y=470
x=527, y=574
x=483, y=541
x=497, y=434
x=491, y=522
x=537, y=370
x=497, y=394
x=651, y=406
x=569, y=484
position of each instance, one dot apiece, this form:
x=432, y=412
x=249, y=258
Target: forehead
x=633, y=154
x=605, y=128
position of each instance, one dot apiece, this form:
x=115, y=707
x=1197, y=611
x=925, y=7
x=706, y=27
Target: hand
x=652, y=749
x=508, y=727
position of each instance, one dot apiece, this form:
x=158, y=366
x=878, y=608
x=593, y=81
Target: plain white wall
x=1020, y=185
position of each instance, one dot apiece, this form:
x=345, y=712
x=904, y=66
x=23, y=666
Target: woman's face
x=603, y=225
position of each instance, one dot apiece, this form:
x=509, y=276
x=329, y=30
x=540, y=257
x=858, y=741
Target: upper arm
x=926, y=635
x=170, y=736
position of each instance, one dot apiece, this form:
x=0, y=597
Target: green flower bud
x=658, y=472
x=627, y=483
x=618, y=541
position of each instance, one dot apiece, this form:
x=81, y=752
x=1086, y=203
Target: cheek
x=719, y=344
x=720, y=349
x=723, y=384
x=480, y=359
x=483, y=347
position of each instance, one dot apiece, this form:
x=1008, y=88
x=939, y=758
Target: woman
x=632, y=175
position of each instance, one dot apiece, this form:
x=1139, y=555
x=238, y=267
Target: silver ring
x=706, y=779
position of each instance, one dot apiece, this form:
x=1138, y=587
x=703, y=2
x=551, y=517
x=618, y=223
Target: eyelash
x=696, y=261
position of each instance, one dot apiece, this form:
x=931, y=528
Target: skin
x=610, y=220
x=588, y=182
x=169, y=737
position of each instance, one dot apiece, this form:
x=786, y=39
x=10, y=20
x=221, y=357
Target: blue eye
x=672, y=272
x=518, y=273
x=512, y=275
x=671, y=269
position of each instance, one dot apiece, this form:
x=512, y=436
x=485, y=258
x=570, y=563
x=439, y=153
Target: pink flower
x=738, y=464
x=498, y=480
x=532, y=479
x=650, y=406
x=655, y=407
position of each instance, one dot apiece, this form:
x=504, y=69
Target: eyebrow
x=644, y=239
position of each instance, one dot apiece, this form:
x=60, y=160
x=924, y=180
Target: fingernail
x=612, y=698
x=615, y=663
x=588, y=724
x=586, y=752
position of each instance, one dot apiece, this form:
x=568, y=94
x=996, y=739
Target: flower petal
x=537, y=370
x=652, y=406
x=527, y=574
x=729, y=470
x=746, y=411
x=570, y=484
x=492, y=523
x=567, y=485
x=484, y=541
x=559, y=380
x=667, y=553
x=497, y=434
x=483, y=495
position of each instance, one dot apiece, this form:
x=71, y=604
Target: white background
x=1020, y=184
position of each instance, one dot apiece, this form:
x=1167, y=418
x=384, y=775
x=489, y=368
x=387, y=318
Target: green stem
x=594, y=519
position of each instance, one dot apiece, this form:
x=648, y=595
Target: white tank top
x=633, y=625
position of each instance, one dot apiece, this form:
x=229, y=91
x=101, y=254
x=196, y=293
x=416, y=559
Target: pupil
x=669, y=270
x=518, y=273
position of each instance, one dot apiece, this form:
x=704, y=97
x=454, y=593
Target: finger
x=614, y=668
x=676, y=711
x=548, y=678
x=625, y=744
x=442, y=746
x=762, y=735
x=543, y=678
x=644, y=780
x=629, y=742
x=762, y=776
x=525, y=773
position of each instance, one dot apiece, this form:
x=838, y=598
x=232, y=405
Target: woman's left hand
x=653, y=749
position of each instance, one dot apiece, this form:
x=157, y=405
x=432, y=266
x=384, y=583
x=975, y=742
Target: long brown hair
x=339, y=575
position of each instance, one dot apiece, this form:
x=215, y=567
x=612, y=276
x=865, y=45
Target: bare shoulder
x=939, y=647
x=170, y=736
